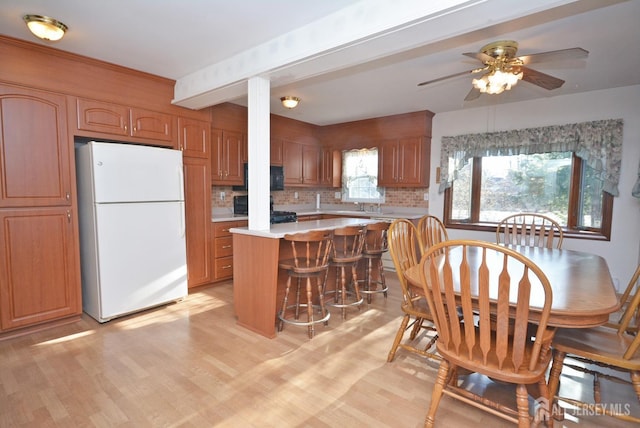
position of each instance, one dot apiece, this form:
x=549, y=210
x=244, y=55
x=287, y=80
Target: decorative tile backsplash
x=402, y=197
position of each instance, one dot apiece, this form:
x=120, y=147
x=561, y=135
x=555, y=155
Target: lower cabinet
x=223, y=249
x=39, y=273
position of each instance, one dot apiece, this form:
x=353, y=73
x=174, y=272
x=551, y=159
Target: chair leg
x=398, y=339
x=417, y=325
x=436, y=395
x=635, y=381
x=522, y=402
x=554, y=382
x=284, y=305
x=367, y=278
x=383, y=281
x=310, y=309
x=356, y=287
x=323, y=309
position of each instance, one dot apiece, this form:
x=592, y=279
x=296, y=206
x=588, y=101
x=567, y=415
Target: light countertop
x=277, y=231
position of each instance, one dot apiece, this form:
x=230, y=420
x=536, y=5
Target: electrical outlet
x=222, y=196
x=426, y=196
x=337, y=195
x=295, y=195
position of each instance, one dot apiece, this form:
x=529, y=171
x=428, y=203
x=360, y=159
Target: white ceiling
x=179, y=38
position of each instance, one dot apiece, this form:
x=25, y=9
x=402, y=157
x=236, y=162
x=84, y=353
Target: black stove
x=283, y=217
x=241, y=206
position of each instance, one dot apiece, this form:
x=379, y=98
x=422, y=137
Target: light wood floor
x=189, y=365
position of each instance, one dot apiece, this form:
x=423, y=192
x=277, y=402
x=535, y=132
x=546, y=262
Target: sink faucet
x=360, y=206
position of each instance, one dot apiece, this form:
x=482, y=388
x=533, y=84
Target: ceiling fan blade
x=473, y=94
x=476, y=70
x=562, y=54
x=480, y=56
x=538, y=78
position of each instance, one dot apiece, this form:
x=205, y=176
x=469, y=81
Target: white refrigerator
x=132, y=227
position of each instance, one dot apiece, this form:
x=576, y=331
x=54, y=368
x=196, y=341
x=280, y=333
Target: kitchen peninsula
x=257, y=282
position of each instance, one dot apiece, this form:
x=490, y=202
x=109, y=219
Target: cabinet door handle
x=126, y=128
x=226, y=267
x=226, y=246
x=68, y=196
x=68, y=216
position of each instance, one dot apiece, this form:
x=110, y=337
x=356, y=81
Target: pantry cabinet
x=119, y=122
x=195, y=142
x=39, y=255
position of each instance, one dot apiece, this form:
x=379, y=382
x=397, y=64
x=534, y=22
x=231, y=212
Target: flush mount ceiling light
x=290, y=102
x=45, y=28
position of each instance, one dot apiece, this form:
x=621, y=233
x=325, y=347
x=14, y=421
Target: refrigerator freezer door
x=132, y=173
x=141, y=258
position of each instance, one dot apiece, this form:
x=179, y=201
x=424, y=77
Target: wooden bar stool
x=374, y=247
x=346, y=252
x=310, y=260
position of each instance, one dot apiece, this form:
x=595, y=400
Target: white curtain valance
x=599, y=143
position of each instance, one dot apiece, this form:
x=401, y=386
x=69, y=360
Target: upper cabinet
x=403, y=162
x=124, y=121
x=227, y=157
x=193, y=137
x=330, y=167
x=301, y=164
x=36, y=159
x=276, y=151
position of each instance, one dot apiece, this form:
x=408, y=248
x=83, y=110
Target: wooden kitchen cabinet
x=227, y=166
x=194, y=141
x=35, y=153
x=276, y=152
x=194, y=138
x=39, y=278
x=223, y=249
x=39, y=254
x=330, y=168
x=123, y=121
x=301, y=164
x=403, y=163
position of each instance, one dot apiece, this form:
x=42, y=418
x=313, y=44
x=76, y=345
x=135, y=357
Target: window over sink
x=360, y=176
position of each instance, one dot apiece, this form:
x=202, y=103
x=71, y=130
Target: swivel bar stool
x=346, y=252
x=310, y=260
x=374, y=247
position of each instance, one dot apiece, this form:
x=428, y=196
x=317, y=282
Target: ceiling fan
x=504, y=69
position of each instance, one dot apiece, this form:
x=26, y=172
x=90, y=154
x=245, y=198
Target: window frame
x=571, y=230
x=345, y=189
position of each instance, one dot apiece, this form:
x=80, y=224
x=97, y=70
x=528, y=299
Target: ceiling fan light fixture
x=44, y=27
x=497, y=81
x=290, y=102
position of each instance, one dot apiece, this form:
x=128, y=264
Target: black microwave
x=276, y=178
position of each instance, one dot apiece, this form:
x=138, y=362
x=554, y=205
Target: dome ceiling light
x=45, y=28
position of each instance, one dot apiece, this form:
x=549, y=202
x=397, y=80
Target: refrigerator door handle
x=181, y=180
x=183, y=221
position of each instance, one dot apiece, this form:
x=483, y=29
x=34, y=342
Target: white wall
x=623, y=251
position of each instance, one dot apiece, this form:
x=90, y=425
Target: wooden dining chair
x=402, y=239
x=431, y=231
x=467, y=281
x=529, y=229
x=614, y=346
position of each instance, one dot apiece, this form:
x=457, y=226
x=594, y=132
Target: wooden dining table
x=583, y=291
